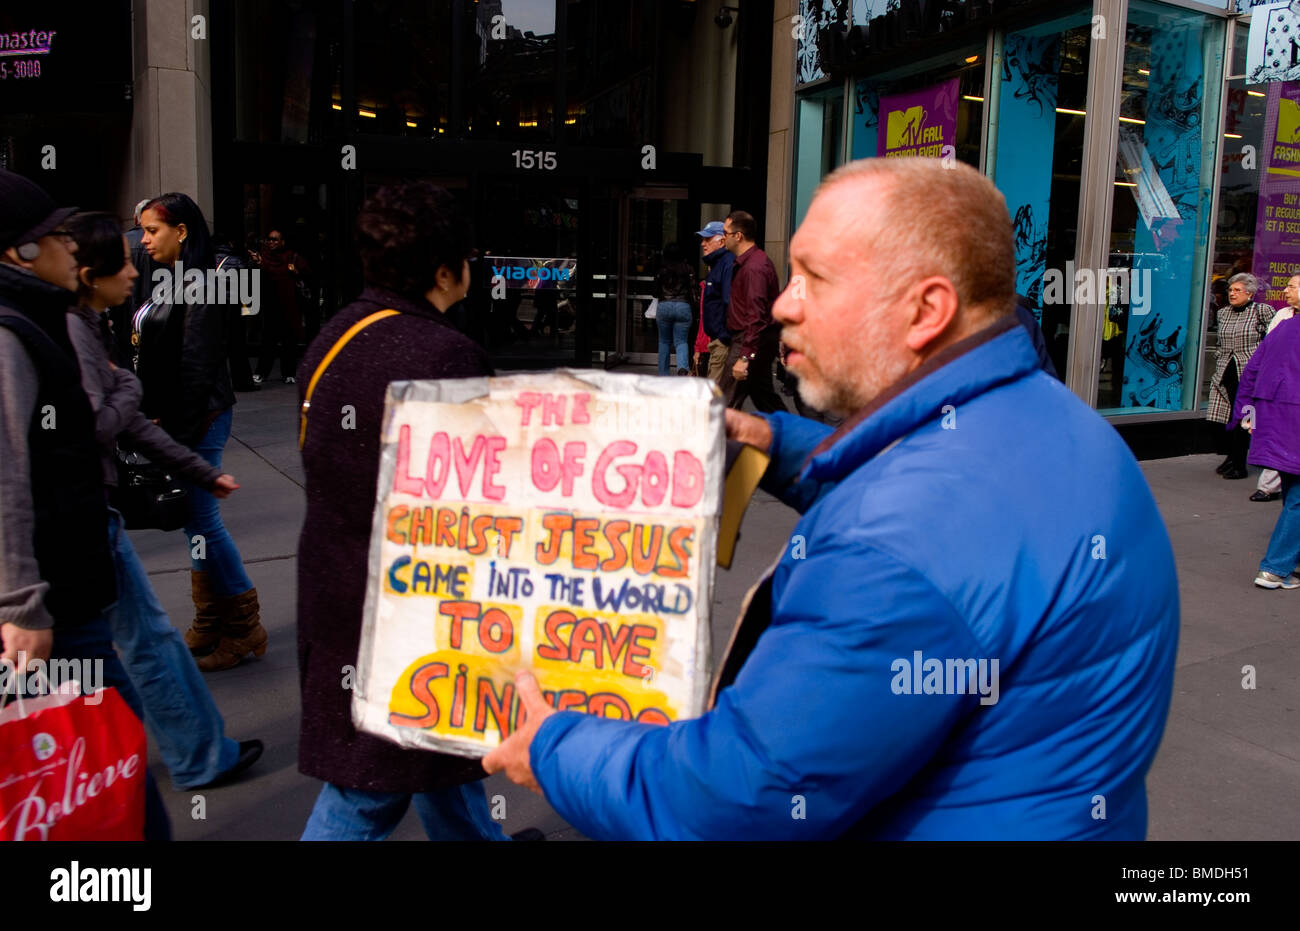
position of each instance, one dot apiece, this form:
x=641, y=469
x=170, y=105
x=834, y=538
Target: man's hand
x=748, y=429
x=512, y=754
x=19, y=642
x=741, y=369
x=224, y=485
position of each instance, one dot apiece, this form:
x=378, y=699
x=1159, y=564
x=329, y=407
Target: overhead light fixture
x=971, y=97
x=1232, y=135
x=1129, y=119
x=972, y=59
x=1071, y=112
x=1144, y=71
x=570, y=122
x=336, y=106
x=1125, y=184
x=412, y=124
x=1256, y=94
x=371, y=114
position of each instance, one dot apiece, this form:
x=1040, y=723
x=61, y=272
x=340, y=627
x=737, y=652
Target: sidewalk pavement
x=1227, y=769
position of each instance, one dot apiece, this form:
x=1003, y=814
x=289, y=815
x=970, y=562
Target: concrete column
x=171, y=128
x=780, y=135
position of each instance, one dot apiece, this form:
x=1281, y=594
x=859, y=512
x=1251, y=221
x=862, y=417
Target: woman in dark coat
x=415, y=252
x=181, y=362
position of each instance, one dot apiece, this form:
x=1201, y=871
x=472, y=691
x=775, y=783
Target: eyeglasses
x=62, y=235
x=274, y=239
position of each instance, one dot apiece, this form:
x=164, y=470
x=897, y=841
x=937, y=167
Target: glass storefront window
x=1164, y=178
x=403, y=67
x=509, y=54
x=1036, y=156
x=819, y=144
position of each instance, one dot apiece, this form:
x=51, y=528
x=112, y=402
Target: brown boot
x=242, y=633
x=205, y=630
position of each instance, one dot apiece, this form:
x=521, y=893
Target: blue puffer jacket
x=980, y=513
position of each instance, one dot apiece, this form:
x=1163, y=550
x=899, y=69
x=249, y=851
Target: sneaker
x=1271, y=581
x=257, y=379
x=290, y=380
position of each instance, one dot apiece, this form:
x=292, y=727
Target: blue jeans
x=1284, y=545
x=93, y=641
x=457, y=813
x=221, y=559
x=178, y=708
x=674, y=319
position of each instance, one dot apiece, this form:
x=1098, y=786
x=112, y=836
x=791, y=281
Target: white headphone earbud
x=29, y=251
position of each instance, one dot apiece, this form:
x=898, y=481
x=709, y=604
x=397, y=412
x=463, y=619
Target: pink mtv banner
x=920, y=123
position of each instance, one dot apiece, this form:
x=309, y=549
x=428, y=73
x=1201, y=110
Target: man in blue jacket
x=717, y=295
x=971, y=634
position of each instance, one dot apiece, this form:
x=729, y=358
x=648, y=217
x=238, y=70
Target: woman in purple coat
x=1268, y=405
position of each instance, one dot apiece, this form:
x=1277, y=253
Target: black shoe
x=1265, y=496
x=1236, y=472
x=528, y=834
x=1224, y=466
x=249, y=752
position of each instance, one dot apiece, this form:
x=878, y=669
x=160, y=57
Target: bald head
x=923, y=217
x=896, y=260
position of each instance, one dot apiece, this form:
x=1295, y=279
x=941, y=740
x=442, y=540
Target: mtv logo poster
x=564, y=523
x=920, y=123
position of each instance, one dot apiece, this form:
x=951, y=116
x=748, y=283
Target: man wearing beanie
x=52, y=499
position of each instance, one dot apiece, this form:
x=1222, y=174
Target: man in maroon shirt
x=755, y=337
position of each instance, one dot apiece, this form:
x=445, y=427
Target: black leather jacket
x=180, y=353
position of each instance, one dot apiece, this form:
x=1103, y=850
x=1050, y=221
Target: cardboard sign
x=563, y=522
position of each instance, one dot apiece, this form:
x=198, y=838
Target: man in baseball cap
x=31, y=234
x=716, y=295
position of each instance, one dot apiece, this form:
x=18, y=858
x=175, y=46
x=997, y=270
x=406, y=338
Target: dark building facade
x=580, y=137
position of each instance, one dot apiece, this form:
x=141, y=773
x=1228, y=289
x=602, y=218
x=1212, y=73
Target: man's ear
x=934, y=307
x=10, y=256
x=83, y=275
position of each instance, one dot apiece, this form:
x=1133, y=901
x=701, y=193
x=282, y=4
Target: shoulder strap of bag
x=329, y=357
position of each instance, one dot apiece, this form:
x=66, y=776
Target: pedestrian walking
x=285, y=273
x=1268, y=406
x=755, y=338
x=179, y=710
x=1242, y=324
x=414, y=250
x=52, y=607
x=181, y=363
x=1269, y=486
x=717, y=294
x=675, y=288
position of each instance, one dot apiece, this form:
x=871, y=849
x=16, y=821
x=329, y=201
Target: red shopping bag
x=72, y=767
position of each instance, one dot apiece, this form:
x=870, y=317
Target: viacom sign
x=531, y=273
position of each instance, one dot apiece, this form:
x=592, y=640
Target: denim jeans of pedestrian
x=1284, y=546
x=94, y=641
x=674, y=320
x=215, y=553
x=456, y=813
x=178, y=708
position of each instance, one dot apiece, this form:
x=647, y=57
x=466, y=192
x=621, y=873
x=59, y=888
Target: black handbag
x=147, y=494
